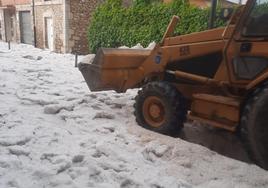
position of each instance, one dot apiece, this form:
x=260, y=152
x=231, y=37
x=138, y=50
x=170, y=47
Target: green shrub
x=113, y=25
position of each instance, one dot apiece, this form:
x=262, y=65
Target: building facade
x=15, y=20
x=49, y=30
x=57, y=25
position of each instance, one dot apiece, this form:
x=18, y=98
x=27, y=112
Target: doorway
x=49, y=38
x=25, y=27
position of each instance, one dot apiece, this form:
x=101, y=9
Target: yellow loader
x=218, y=77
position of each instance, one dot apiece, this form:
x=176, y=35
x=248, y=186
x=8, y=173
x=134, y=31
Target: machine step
x=219, y=111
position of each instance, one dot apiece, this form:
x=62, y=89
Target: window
x=257, y=22
x=249, y=67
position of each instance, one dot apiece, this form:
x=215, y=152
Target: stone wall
x=55, y=11
x=79, y=20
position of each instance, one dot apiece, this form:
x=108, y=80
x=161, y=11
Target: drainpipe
x=34, y=26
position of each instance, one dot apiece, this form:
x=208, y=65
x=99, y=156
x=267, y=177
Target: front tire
x=254, y=127
x=161, y=108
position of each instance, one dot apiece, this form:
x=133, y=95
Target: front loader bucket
x=111, y=68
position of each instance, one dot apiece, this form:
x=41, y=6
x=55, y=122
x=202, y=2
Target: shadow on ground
x=218, y=140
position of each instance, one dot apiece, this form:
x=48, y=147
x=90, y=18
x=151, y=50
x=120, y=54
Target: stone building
x=61, y=25
x=57, y=25
x=15, y=17
x=49, y=24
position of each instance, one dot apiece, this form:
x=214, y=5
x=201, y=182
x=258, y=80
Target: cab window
x=257, y=22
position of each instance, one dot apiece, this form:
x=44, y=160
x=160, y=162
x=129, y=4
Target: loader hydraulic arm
x=170, y=29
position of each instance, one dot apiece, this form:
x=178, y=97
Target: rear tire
x=254, y=127
x=161, y=108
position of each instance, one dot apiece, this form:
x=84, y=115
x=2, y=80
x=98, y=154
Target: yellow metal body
x=204, y=67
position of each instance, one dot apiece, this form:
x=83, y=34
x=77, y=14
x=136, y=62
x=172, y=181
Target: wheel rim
x=154, y=111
